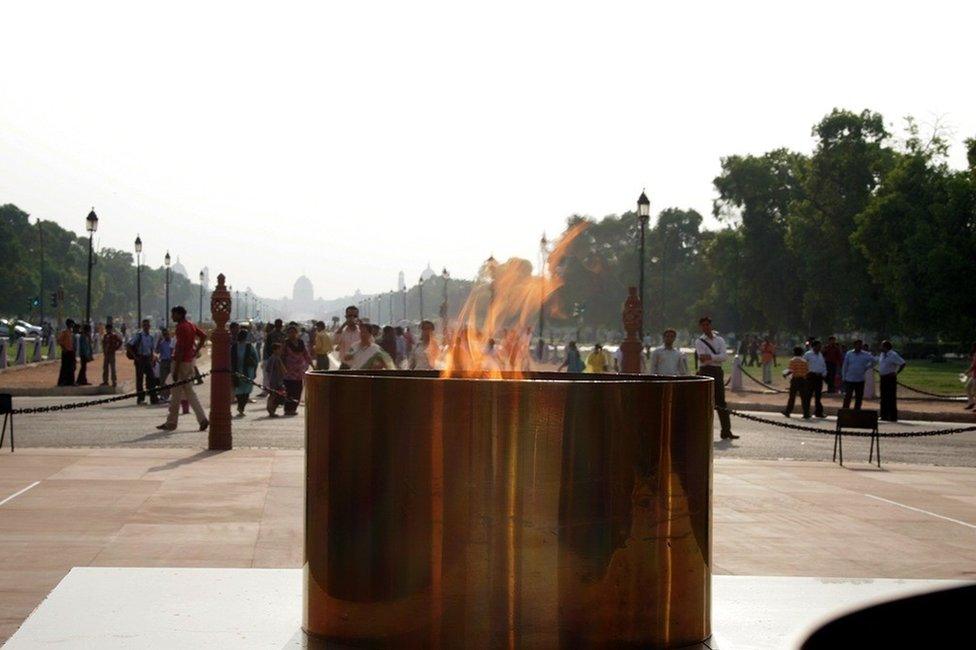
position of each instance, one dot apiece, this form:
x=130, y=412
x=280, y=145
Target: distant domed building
x=179, y=269
x=303, y=293
x=427, y=273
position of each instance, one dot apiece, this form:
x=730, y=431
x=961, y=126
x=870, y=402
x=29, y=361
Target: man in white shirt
x=348, y=333
x=816, y=371
x=890, y=363
x=710, y=348
x=666, y=360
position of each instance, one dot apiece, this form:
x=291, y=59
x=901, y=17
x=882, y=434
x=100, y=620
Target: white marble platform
x=109, y=608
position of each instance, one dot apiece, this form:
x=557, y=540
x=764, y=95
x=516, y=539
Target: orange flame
x=507, y=297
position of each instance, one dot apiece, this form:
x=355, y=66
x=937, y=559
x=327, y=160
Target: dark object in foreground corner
x=929, y=620
x=7, y=411
x=545, y=511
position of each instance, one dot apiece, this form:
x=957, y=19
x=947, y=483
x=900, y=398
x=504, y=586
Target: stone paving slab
x=243, y=508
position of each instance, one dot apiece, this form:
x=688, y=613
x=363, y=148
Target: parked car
x=10, y=329
x=33, y=330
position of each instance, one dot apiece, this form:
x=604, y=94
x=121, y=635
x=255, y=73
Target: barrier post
x=869, y=385
x=52, y=349
x=21, y=352
x=736, y=383
x=38, y=344
x=3, y=352
x=630, y=348
x=220, y=423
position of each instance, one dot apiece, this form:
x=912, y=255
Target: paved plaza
x=145, y=507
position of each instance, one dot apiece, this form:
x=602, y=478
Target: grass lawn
x=941, y=378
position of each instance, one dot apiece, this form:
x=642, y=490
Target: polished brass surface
x=547, y=511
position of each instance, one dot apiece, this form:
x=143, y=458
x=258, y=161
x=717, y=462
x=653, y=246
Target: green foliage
x=65, y=265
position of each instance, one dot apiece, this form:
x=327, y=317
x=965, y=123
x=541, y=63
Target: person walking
x=243, y=361
x=323, y=346
x=667, y=360
x=111, y=344
x=66, y=340
x=890, y=363
x=971, y=381
x=753, y=351
x=142, y=347
x=424, y=354
x=710, y=349
x=596, y=361
x=833, y=358
x=573, y=361
x=347, y=335
x=274, y=379
x=297, y=360
x=857, y=362
x=164, y=352
x=817, y=369
x=389, y=342
x=768, y=352
x=366, y=354
x=190, y=339
x=84, y=354
x=797, y=371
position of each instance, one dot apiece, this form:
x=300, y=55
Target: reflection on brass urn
x=544, y=511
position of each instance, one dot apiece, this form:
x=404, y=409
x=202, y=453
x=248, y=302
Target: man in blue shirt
x=857, y=362
x=164, y=348
x=142, y=348
x=817, y=370
x=890, y=364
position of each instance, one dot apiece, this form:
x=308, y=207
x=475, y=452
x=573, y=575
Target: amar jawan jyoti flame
x=507, y=297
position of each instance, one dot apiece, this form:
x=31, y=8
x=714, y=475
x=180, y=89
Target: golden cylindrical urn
x=549, y=510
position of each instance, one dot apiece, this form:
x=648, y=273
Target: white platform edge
x=108, y=608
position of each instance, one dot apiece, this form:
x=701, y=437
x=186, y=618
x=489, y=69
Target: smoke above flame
x=495, y=325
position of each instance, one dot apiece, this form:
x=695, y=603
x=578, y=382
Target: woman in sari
x=367, y=355
x=243, y=361
x=297, y=360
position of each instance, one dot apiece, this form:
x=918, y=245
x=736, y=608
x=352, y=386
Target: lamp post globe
x=138, y=247
x=643, y=215
x=91, y=225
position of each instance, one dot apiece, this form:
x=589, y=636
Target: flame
x=507, y=298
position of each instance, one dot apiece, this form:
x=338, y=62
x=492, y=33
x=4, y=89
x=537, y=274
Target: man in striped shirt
x=797, y=372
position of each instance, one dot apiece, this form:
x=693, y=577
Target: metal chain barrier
x=279, y=393
x=106, y=400
x=937, y=396
x=856, y=434
x=764, y=385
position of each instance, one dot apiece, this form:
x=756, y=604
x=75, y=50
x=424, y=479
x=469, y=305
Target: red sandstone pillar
x=631, y=346
x=220, y=382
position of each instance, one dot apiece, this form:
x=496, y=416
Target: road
x=124, y=424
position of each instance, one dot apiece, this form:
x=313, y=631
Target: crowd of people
x=284, y=352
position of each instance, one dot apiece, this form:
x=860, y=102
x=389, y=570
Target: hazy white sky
x=351, y=140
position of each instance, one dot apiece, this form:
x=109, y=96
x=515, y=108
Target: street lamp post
x=420, y=286
x=492, y=264
x=200, y=317
x=237, y=305
x=444, y=276
x=543, y=256
x=91, y=224
x=403, y=294
x=166, y=261
x=138, y=281
x=644, y=215
x=391, y=306
x=40, y=302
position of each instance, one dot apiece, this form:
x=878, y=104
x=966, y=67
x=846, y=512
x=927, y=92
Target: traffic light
x=54, y=299
x=35, y=301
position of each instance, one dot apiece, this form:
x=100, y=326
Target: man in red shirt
x=189, y=340
x=834, y=359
